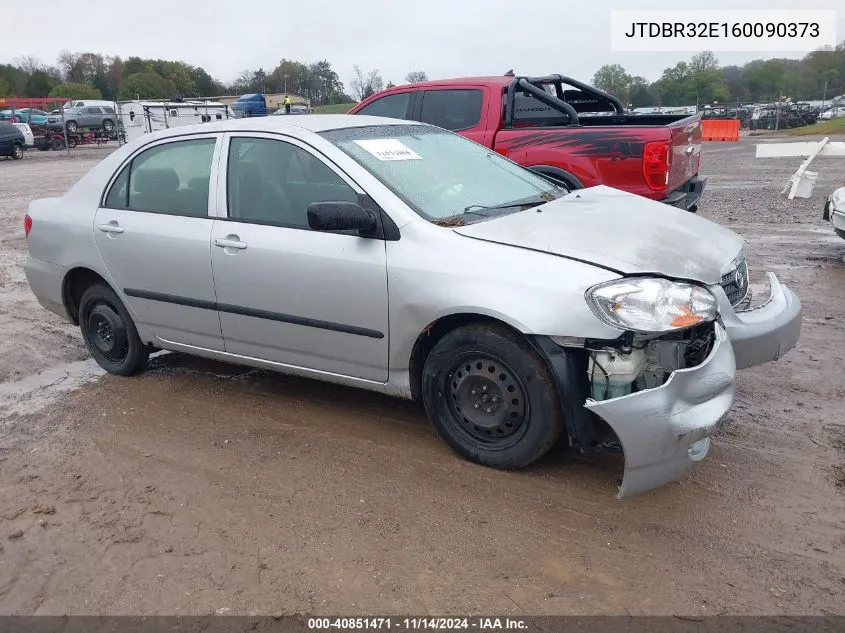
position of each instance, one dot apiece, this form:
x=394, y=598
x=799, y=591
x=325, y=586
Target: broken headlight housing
x=651, y=304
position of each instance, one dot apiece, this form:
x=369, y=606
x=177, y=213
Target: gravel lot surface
x=201, y=487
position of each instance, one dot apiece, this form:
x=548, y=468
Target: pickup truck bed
x=581, y=137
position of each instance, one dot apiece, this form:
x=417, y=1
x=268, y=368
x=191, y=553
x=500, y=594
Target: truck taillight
x=657, y=157
x=27, y=225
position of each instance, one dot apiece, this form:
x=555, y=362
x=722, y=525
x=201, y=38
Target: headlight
x=652, y=304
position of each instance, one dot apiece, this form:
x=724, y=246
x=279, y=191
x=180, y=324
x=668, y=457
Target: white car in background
x=832, y=113
x=29, y=138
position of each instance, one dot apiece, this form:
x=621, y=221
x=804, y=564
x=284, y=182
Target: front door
x=285, y=293
x=153, y=233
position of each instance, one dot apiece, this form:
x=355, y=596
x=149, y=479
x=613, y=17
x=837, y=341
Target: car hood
x=618, y=231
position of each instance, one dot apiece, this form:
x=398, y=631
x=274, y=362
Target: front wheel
x=108, y=126
x=17, y=151
x=109, y=332
x=71, y=126
x=491, y=397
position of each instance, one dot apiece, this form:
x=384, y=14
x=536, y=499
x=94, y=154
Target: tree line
x=97, y=76
x=818, y=75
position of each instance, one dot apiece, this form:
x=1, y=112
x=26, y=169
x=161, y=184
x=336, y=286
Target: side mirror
x=341, y=216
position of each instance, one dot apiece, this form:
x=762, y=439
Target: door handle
x=230, y=241
x=111, y=227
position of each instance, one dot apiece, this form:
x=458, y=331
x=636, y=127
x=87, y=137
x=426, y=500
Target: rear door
x=459, y=110
x=153, y=232
x=90, y=116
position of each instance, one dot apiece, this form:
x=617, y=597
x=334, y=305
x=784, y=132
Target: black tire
x=17, y=151
x=108, y=125
x=71, y=126
x=504, y=410
x=109, y=332
x=71, y=143
x=57, y=144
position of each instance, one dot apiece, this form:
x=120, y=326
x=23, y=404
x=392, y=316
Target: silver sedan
x=402, y=258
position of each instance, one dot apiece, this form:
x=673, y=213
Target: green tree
x=612, y=78
x=640, y=94
x=73, y=90
x=416, y=76
x=145, y=85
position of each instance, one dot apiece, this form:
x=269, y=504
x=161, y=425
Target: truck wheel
x=109, y=332
x=108, y=126
x=71, y=143
x=491, y=397
x=56, y=144
x=71, y=126
x=17, y=151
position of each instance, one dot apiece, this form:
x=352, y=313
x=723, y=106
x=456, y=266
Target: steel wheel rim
x=487, y=401
x=107, y=333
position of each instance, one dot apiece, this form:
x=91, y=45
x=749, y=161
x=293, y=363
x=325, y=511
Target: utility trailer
x=143, y=117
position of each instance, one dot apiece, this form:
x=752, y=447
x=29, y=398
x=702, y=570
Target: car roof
x=494, y=80
x=309, y=122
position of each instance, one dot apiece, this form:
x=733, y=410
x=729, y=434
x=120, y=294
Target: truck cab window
x=452, y=109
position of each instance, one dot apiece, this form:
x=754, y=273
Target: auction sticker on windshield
x=389, y=149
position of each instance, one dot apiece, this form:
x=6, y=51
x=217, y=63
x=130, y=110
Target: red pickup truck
x=568, y=131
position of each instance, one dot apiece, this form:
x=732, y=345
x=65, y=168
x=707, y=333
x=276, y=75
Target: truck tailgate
x=685, y=136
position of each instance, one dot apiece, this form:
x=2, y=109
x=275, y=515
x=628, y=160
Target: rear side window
x=8, y=128
x=171, y=179
x=394, y=106
x=452, y=109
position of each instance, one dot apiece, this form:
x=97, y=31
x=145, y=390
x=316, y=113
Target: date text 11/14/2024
x=418, y=623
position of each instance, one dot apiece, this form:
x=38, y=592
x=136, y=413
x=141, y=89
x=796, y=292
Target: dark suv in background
x=11, y=141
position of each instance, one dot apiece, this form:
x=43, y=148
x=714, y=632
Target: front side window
x=172, y=178
x=452, y=109
x=393, y=106
x=273, y=182
x=441, y=175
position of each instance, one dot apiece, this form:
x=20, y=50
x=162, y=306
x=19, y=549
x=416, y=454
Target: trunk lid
x=623, y=232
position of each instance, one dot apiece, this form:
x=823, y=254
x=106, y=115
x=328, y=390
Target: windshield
x=444, y=177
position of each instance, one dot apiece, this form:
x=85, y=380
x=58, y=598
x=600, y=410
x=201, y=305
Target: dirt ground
x=203, y=488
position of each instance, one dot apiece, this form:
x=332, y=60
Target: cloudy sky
x=445, y=38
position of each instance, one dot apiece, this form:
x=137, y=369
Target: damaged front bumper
x=664, y=431
x=765, y=333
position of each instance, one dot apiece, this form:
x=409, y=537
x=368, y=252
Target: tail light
x=657, y=158
x=27, y=225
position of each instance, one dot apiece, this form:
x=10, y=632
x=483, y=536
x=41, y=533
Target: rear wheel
x=56, y=144
x=17, y=151
x=109, y=332
x=490, y=397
